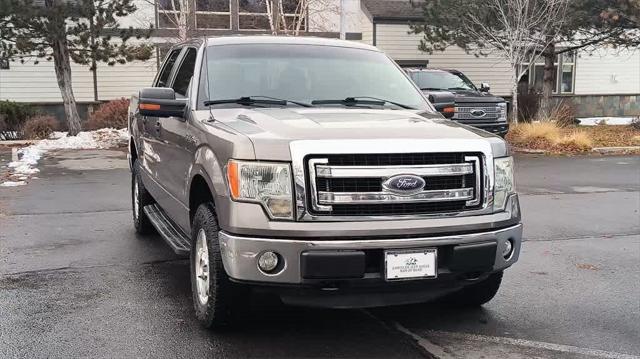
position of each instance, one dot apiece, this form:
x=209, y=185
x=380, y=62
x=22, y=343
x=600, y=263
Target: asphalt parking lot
x=75, y=281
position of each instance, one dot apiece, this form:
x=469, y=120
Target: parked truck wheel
x=139, y=199
x=477, y=294
x=212, y=290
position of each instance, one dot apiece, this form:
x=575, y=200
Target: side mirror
x=444, y=102
x=160, y=102
x=484, y=87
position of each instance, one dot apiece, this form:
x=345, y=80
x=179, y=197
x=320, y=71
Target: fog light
x=268, y=261
x=508, y=248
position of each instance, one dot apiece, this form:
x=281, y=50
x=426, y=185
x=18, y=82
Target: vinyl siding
x=608, y=72
x=37, y=83
x=400, y=45
x=366, y=28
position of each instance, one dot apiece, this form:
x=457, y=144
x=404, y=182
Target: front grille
x=393, y=159
x=396, y=209
x=375, y=184
x=353, y=176
x=464, y=112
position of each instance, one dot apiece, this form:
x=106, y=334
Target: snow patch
x=12, y=183
x=29, y=156
x=592, y=121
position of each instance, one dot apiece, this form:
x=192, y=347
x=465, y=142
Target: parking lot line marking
x=429, y=346
x=530, y=344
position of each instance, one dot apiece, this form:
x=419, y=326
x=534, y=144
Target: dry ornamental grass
x=550, y=137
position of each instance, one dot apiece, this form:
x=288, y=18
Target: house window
x=169, y=13
x=213, y=14
x=568, y=72
x=563, y=74
x=253, y=15
x=209, y=14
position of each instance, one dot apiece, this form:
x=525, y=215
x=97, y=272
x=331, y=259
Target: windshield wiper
x=361, y=100
x=431, y=89
x=458, y=88
x=256, y=100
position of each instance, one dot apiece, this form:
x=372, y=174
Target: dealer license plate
x=412, y=264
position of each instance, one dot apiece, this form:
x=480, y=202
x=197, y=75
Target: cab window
x=185, y=73
x=163, y=78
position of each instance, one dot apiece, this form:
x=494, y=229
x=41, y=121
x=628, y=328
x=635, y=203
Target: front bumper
x=499, y=128
x=240, y=255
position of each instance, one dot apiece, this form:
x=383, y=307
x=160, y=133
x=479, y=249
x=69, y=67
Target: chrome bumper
x=240, y=253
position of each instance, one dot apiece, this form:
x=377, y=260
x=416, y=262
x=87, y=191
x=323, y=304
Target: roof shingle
x=394, y=9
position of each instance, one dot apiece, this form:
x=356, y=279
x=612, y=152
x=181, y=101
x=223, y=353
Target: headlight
x=502, y=106
x=268, y=183
x=504, y=186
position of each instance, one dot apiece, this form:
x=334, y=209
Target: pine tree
x=85, y=31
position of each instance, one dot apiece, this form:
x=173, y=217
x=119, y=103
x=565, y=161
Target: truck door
x=174, y=149
x=151, y=160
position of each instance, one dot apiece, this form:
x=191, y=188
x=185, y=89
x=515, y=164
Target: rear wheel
x=212, y=290
x=139, y=199
x=477, y=294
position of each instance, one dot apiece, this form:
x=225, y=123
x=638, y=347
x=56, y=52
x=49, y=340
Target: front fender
x=208, y=166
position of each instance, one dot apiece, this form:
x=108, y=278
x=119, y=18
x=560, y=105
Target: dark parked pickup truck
x=315, y=170
x=456, y=97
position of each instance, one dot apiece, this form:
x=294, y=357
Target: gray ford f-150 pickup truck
x=315, y=170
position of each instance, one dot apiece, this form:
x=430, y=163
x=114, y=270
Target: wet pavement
x=75, y=280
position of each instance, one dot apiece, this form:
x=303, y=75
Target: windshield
x=306, y=74
x=441, y=80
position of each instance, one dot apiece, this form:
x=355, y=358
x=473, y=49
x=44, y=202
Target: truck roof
x=294, y=40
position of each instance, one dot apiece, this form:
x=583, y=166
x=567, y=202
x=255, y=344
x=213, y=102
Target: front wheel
x=212, y=290
x=477, y=294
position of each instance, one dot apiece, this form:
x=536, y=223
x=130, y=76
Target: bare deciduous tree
x=528, y=26
x=294, y=22
x=515, y=30
x=178, y=14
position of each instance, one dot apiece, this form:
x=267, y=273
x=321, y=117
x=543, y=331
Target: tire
x=477, y=294
x=213, y=295
x=139, y=199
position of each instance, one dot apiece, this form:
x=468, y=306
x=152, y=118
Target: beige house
x=603, y=83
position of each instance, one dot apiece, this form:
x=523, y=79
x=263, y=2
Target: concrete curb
x=17, y=143
x=623, y=150
x=615, y=150
x=528, y=150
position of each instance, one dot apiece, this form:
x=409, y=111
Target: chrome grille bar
x=476, y=192
x=457, y=169
x=460, y=194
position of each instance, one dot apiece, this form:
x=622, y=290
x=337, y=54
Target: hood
x=272, y=129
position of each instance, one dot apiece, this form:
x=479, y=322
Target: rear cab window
x=165, y=73
x=185, y=73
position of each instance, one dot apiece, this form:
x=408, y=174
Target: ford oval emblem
x=404, y=184
x=478, y=112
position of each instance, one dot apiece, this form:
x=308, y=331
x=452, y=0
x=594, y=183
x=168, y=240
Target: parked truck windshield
x=319, y=75
x=441, y=80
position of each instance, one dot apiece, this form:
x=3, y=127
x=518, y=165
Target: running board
x=174, y=236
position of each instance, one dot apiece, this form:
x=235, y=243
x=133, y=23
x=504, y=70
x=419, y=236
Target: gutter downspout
x=343, y=20
x=374, y=35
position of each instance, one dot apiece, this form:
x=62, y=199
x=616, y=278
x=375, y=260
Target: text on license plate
x=410, y=264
